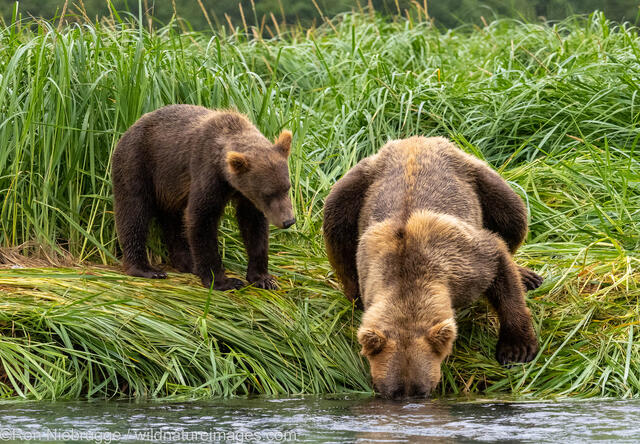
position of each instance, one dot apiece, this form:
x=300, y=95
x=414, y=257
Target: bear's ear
x=238, y=162
x=283, y=144
x=442, y=335
x=372, y=341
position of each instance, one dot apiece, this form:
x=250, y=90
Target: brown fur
x=181, y=164
x=417, y=231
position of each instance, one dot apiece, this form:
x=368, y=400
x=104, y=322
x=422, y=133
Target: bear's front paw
x=516, y=349
x=228, y=284
x=223, y=284
x=149, y=273
x=266, y=281
x=530, y=278
x=158, y=274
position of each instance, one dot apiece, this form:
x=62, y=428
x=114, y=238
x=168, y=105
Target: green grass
x=554, y=108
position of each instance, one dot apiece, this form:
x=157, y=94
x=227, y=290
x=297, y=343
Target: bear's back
x=421, y=174
x=176, y=129
x=173, y=145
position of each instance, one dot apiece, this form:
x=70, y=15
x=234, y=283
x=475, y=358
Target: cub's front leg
x=255, y=234
x=203, y=213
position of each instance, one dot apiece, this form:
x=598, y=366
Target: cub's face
x=406, y=364
x=262, y=176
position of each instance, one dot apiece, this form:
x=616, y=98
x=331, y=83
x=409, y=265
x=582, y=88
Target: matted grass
x=554, y=108
x=92, y=332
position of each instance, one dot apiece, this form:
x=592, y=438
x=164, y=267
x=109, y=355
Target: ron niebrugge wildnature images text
x=150, y=434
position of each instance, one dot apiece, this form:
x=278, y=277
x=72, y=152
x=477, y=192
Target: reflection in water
x=390, y=421
x=326, y=419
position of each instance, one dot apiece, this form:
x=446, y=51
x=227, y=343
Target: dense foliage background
x=446, y=14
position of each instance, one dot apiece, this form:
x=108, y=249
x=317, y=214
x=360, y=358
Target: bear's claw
x=158, y=274
x=224, y=284
x=149, y=273
x=267, y=282
x=513, y=350
x=530, y=278
x=228, y=284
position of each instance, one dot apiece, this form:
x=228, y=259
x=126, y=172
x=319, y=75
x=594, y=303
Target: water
x=328, y=419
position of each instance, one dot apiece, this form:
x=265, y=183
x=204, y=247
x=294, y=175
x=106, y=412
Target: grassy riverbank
x=554, y=108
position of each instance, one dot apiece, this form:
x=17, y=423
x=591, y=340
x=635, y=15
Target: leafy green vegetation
x=554, y=109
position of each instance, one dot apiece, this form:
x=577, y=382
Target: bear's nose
x=407, y=392
x=288, y=223
x=418, y=392
x=397, y=394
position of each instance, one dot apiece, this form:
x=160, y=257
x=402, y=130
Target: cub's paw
x=158, y=274
x=223, y=284
x=516, y=349
x=266, y=281
x=228, y=284
x=530, y=278
x=149, y=273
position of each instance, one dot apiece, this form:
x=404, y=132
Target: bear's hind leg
x=175, y=238
x=133, y=216
x=340, y=226
x=504, y=213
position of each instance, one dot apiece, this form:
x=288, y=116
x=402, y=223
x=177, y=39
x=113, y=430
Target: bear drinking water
x=417, y=231
x=181, y=164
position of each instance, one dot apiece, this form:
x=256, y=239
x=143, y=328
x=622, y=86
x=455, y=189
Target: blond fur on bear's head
x=405, y=361
x=408, y=326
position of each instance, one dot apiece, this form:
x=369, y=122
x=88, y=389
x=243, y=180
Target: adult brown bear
x=181, y=164
x=417, y=231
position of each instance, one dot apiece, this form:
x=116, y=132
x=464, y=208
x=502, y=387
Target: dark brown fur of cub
x=417, y=231
x=181, y=164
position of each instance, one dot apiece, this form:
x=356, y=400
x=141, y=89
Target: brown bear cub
x=181, y=164
x=417, y=231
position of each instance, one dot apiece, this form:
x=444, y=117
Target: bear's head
x=408, y=325
x=405, y=363
x=262, y=176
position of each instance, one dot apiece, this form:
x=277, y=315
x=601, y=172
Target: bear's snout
x=403, y=392
x=279, y=212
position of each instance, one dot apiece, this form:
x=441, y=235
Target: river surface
x=321, y=419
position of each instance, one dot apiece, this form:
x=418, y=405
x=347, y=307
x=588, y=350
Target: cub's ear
x=238, y=162
x=372, y=341
x=283, y=144
x=442, y=335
